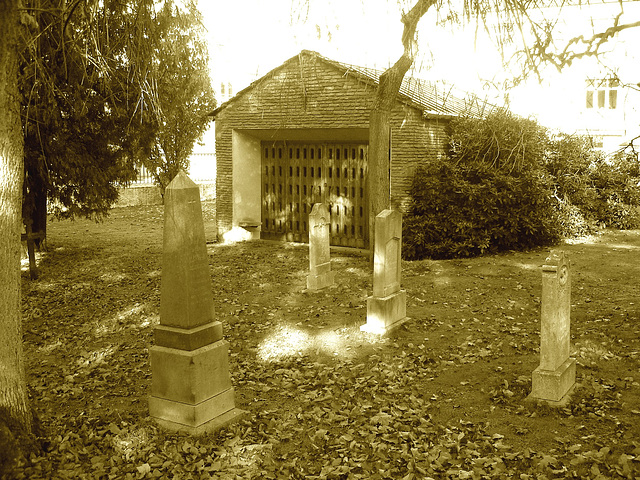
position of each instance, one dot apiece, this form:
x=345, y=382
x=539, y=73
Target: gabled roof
x=433, y=99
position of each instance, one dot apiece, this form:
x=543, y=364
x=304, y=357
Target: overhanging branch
x=391, y=79
x=588, y=47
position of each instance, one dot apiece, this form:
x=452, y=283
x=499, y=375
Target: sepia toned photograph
x=324, y=240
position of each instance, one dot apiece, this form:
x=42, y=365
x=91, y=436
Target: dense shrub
x=616, y=181
x=572, y=222
x=603, y=189
x=489, y=194
x=506, y=184
x=568, y=161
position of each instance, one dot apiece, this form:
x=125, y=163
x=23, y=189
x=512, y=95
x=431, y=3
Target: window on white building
x=602, y=93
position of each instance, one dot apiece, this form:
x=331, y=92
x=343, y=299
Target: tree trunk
x=35, y=205
x=13, y=391
x=380, y=120
x=379, y=163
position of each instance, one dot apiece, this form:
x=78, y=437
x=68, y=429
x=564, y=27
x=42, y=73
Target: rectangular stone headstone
x=555, y=376
x=191, y=387
x=387, y=251
x=555, y=312
x=320, y=274
x=386, y=309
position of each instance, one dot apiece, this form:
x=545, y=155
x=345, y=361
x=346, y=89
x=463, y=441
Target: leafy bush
x=506, y=184
x=604, y=190
x=489, y=194
x=616, y=181
x=568, y=161
x=572, y=221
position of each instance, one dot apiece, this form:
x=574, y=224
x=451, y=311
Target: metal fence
x=145, y=177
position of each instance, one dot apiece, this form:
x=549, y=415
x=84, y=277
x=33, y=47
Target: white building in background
x=598, y=97
x=202, y=162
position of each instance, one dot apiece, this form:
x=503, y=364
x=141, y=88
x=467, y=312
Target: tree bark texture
x=380, y=120
x=13, y=391
x=34, y=207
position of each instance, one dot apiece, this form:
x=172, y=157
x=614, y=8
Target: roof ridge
x=417, y=92
x=422, y=92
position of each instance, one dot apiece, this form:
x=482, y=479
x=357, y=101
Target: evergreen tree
x=185, y=96
x=107, y=86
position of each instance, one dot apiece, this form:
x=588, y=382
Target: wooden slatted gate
x=296, y=175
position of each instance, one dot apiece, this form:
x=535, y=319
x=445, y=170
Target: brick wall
x=310, y=93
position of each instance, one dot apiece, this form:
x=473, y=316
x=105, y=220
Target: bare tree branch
x=391, y=79
x=629, y=145
x=588, y=47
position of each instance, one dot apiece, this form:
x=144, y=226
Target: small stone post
x=387, y=308
x=190, y=388
x=554, y=379
x=320, y=274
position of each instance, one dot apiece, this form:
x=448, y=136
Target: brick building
x=299, y=135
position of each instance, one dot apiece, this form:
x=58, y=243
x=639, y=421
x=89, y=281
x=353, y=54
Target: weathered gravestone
x=387, y=308
x=320, y=274
x=554, y=378
x=191, y=388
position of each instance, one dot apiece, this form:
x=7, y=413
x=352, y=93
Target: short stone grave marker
x=554, y=378
x=387, y=308
x=320, y=274
x=190, y=386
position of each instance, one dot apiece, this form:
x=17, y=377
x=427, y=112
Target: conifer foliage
x=184, y=93
x=107, y=86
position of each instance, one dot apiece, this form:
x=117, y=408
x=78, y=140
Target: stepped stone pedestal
x=554, y=379
x=190, y=387
x=320, y=274
x=387, y=308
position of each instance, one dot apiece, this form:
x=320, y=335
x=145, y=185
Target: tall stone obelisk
x=190, y=387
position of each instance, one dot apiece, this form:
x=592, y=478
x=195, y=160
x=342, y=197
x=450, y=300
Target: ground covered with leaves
x=441, y=397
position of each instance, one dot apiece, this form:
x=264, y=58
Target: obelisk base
x=553, y=386
x=191, y=390
x=385, y=313
x=205, y=417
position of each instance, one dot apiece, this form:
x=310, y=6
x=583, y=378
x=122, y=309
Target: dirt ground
x=441, y=397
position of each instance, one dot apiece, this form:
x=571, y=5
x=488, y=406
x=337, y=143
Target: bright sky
x=248, y=38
